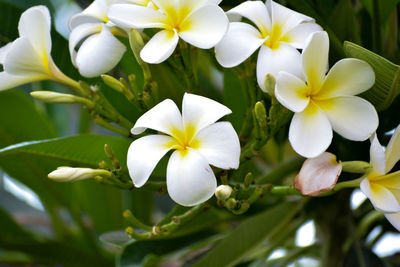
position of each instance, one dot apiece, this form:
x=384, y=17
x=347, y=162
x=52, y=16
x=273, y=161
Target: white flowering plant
x=199, y=132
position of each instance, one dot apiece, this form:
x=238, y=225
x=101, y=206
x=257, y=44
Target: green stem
x=102, y=122
x=376, y=26
x=281, y=171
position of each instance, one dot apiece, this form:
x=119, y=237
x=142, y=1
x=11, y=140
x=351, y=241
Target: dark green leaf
x=248, y=235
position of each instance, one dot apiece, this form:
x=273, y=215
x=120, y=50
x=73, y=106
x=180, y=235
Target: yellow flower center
x=276, y=36
x=176, y=19
x=184, y=139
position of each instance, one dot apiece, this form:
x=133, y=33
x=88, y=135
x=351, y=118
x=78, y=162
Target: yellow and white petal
x=3, y=52
x=219, y=144
x=134, y=16
x=22, y=59
x=272, y=61
x=390, y=181
x=78, y=34
x=393, y=150
x=297, y=36
x=394, y=219
x=160, y=47
x=286, y=18
x=168, y=7
x=192, y=5
x=144, y=154
x=348, y=76
x=164, y=117
x=98, y=10
x=310, y=132
x=35, y=25
x=195, y=29
x=377, y=157
x=315, y=59
x=352, y=117
x=99, y=54
x=190, y=180
x=381, y=198
x=257, y=12
x=199, y=112
x=8, y=81
x=238, y=44
x=291, y=92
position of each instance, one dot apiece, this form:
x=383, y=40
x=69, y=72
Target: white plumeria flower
x=198, y=141
x=201, y=23
x=99, y=51
x=28, y=58
x=325, y=102
x=380, y=186
x=280, y=32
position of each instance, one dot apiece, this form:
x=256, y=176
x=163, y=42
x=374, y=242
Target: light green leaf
x=387, y=76
x=248, y=235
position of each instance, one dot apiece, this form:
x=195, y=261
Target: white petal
x=349, y=76
x=291, y=92
x=285, y=17
x=167, y=6
x=315, y=59
x=219, y=144
x=160, y=47
x=257, y=12
x=195, y=29
x=22, y=59
x=35, y=25
x=144, y=154
x=238, y=44
x=310, y=132
x=199, y=112
x=3, y=52
x=164, y=117
x=98, y=9
x=195, y=4
x=80, y=19
x=133, y=16
x=351, y=116
x=79, y=33
x=318, y=175
x=8, y=81
x=297, y=36
x=377, y=157
x=394, y=219
x=272, y=61
x=393, y=150
x=190, y=180
x=99, y=54
x=382, y=199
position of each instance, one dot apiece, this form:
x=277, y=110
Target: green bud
x=356, y=166
x=58, y=98
x=248, y=180
x=261, y=114
x=137, y=43
x=269, y=83
x=223, y=192
x=231, y=204
x=113, y=83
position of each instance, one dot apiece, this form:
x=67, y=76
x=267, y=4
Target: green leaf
x=21, y=121
x=248, y=235
x=387, y=76
x=386, y=7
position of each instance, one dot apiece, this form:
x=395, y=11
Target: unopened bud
x=223, y=192
x=69, y=174
x=248, y=180
x=113, y=83
x=137, y=43
x=231, y=204
x=269, y=84
x=356, y=166
x=261, y=114
x=58, y=98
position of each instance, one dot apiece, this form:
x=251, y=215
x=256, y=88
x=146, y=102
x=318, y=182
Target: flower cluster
x=292, y=48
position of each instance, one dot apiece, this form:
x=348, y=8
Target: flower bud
x=356, y=166
x=137, y=43
x=318, y=175
x=223, y=192
x=113, y=83
x=58, y=98
x=261, y=114
x=269, y=83
x=231, y=204
x=69, y=174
